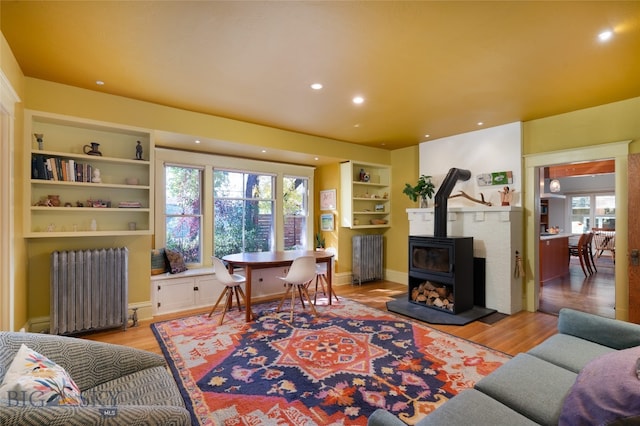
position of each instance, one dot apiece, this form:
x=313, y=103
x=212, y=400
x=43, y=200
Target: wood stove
x=441, y=272
x=441, y=267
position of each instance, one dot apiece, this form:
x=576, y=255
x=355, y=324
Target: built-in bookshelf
x=71, y=193
x=365, y=195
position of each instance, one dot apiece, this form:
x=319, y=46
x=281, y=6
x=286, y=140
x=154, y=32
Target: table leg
x=247, y=273
x=329, y=280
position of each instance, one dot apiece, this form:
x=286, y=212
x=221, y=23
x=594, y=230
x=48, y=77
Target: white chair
x=233, y=284
x=301, y=272
x=321, y=277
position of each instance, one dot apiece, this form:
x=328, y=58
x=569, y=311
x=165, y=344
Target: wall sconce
x=554, y=185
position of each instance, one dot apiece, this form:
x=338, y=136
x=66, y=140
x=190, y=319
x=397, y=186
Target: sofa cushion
x=531, y=386
x=34, y=379
x=607, y=390
x=569, y=352
x=474, y=408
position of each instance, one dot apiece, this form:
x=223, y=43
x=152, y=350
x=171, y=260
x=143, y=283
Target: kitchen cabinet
x=554, y=256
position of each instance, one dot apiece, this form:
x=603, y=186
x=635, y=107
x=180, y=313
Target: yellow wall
x=52, y=97
x=575, y=131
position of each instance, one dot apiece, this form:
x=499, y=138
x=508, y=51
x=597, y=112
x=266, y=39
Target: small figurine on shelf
x=139, y=151
x=506, y=196
x=96, y=176
x=40, y=140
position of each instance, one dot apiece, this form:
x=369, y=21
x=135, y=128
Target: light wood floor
x=595, y=294
x=512, y=335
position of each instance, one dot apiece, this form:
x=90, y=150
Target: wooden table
x=273, y=259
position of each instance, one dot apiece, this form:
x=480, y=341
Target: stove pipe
x=442, y=197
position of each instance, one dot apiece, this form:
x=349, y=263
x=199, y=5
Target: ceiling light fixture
x=605, y=35
x=100, y=82
x=263, y=151
x=197, y=141
x=480, y=123
x=316, y=86
x=427, y=136
x=358, y=100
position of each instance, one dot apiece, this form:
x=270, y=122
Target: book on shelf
x=59, y=169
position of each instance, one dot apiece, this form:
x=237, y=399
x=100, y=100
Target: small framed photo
x=328, y=199
x=326, y=222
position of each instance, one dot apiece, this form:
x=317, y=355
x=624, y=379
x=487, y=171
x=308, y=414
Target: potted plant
x=422, y=191
x=319, y=241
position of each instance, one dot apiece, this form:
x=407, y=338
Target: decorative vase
x=424, y=203
x=92, y=149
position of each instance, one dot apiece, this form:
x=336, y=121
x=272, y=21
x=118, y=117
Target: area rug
x=333, y=369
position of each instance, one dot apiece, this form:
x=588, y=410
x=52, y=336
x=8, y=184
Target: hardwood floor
x=512, y=335
x=594, y=294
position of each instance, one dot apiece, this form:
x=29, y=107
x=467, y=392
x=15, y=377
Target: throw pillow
x=33, y=379
x=176, y=261
x=159, y=263
x=606, y=392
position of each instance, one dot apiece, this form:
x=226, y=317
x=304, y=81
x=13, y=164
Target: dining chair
x=579, y=251
x=301, y=272
x=233, y=284
x=605, y=240
x=321, y=277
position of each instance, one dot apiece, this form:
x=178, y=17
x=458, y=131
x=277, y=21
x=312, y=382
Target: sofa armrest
x=89, y=363
x=609, y=332
x=382, y=417
x=130, y=415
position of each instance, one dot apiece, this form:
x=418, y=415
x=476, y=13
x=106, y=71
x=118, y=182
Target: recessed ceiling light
x=427, y=136
x=356, y=125
x=316, y=158
x=100, y=82
x=605, y=35
x=197, y=141
x=263, y=151
x=480, y=123
x=316, y=86
x=358, y=100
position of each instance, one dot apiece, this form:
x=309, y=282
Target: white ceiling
x=434, y=68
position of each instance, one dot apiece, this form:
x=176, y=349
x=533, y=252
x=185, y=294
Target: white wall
x=495, y=149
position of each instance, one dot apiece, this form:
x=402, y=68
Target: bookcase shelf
x=76, y=196
x=365, y=195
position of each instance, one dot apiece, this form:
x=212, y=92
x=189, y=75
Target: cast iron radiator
x=88, y=290
x=367, y=255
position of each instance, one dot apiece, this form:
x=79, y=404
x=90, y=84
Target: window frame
x=208, y=161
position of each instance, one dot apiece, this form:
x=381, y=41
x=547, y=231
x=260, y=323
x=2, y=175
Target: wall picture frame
x=328, y=199
x=327, y=222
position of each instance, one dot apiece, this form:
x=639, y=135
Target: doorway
x=580, y=201
x=533, y=162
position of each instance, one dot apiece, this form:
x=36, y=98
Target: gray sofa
x=532, y=387
x=119, y=385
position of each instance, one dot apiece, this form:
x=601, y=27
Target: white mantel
x=497, y=235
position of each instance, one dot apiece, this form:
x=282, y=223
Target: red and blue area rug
x=333, y=369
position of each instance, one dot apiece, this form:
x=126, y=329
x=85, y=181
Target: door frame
x=618, y=151
x=8, y=99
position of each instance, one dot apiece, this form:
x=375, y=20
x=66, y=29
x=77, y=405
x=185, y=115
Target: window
x=243, y=212
x=183, y=211
x=592, y=211
x=295, y=210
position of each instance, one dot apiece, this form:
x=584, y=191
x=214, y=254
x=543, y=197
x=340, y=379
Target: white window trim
x=208, y=162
